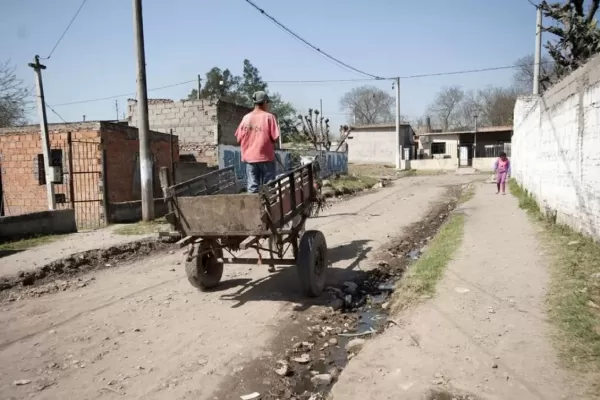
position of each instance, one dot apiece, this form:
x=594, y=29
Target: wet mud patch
x=448, y=395
x=312, y=347
x=63, y=274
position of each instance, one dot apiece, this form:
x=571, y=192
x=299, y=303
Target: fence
x=494, y=150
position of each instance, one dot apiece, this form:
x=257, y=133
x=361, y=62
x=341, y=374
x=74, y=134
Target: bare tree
x=13, y=97
x=523, y=76
x=446, y=108
x=368, y=105
x=576, y=31
x=315, y=130
x=496, y=105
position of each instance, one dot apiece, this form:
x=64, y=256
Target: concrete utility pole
x=146, y=178
x=41, y=106
x=199, y=87
x=475, y=137
x=397, y=83
x=538, y=52
x=321, y=107
x=117, y=109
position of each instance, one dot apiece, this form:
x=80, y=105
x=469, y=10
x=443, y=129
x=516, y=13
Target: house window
x=56, y=160
x=438, y=148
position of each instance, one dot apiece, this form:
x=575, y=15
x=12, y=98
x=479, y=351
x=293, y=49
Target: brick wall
x=556, y=148
x=200, y=124
x=122, y=160
x=19, y=150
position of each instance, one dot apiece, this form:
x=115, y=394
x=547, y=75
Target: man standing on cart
x=257, y=135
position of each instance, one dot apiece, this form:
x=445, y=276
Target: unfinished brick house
x=99, y=162
x=201, y=125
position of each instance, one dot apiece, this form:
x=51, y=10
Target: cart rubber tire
x=312, y=263
x=204, y=272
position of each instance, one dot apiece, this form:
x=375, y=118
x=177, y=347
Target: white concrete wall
x=376, y=146
x=440, y=164
x=484, y=163
x=451, y=145
x=556, y=148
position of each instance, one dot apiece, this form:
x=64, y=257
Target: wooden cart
x=215, y=221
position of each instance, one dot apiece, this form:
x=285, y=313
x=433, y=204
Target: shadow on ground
x=283, y=285
x=6, y=253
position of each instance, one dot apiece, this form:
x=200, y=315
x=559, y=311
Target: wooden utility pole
x=199, y=87
x=41, y=106
x=146, y=178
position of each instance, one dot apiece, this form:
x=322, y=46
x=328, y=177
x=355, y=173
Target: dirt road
x=142, y=331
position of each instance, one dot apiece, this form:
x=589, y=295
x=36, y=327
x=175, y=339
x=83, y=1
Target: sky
x=184, y=38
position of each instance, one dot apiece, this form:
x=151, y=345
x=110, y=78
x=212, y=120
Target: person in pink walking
x=257, y=135
x=502, y=170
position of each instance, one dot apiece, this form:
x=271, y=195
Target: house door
x=463, y=159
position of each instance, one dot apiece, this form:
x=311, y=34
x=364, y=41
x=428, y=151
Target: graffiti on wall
x=330, y=162
x=231, y=155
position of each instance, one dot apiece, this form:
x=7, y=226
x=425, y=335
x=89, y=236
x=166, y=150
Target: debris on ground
x=251, y=396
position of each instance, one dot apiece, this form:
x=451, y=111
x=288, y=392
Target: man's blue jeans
x=259, y=174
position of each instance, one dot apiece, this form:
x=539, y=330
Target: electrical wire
x=533, y=4
x=322, y=81
x=306, y=42
x=57, y=114
x=66, y=30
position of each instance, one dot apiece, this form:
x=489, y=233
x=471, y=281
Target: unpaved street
x=142, y=331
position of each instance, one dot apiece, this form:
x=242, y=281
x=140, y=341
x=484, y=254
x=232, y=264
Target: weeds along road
x=141, y=331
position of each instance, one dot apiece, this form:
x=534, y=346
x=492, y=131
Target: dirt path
x=485, y=332
x=141, y=331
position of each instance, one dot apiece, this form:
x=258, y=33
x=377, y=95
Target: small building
x=98, y=163
x=376, y=144
x=451, y=150
x=201, y=125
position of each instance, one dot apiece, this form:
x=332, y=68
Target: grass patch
x=141, y=228
x=467, y=194
x=347, y=184
x=574, y=293
x=25, y=244
x=422, y=277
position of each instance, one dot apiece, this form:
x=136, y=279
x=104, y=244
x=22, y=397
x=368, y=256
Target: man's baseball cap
x=260, y=97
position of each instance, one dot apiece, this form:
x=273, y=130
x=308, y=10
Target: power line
x=322, y=81
x=57, y=114
x=533, y=4
x=288, y=30
x=66, y=30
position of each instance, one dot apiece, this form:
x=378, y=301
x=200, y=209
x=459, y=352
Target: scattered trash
x=303, y=359
x=321, y=379
x=283, y=368
x=590, y=303
x=491, y=310
x=382, y=263
x=387, y=287
x=573, y=243
x=595, y=275
x=22, y=382
x=369, y=332
x=414, y=254
x=355, y=345
x=495, y=366
x=251, y=396
x=461, y=290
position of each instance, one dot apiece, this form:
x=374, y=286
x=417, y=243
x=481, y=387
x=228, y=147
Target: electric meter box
x=55, y=174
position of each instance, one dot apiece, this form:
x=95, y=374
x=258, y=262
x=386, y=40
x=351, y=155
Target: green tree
x=219, y=84
x=222, y=84
x=576, y=31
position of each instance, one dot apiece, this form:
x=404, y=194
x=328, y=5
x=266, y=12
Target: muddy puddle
x=311, y=352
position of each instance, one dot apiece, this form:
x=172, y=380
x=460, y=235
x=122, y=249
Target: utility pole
x=199, y=87
x=117, y=108
x=475, y=137
x=397, y=84
x=41, y=106
x=538, y=52
x=146, y=178
x=321, y=107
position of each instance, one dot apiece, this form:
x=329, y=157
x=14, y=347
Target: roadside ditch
x=312, y=349
x=64, y=273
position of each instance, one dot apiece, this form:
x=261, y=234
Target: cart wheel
x=312, y=262
x=204, y=272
